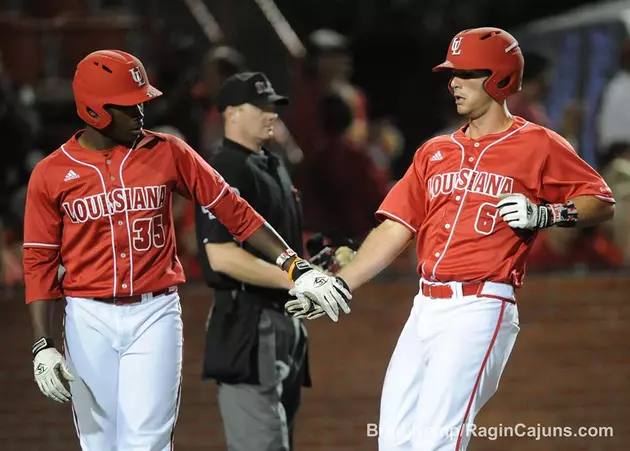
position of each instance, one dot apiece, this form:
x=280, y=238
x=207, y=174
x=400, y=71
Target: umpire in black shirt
x=256, y=353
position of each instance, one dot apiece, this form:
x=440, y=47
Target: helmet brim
x=135, y=98
x=446, y=65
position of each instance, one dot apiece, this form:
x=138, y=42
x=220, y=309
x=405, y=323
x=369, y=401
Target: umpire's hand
x=51, y=370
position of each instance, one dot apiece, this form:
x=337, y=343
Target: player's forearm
x=267, y=241
x=592, y=211
x=378, y=250
x=42, y=314
x=42, y=288
x=237, y=263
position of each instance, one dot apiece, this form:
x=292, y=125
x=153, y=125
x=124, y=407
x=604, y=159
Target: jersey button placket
x=472, y=159
x=120, y=238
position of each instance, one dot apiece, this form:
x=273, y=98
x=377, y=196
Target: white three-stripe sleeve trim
x=52, y=246
x=606, y=198
x=216, y=199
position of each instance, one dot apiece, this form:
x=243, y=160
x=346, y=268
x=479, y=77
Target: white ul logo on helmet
x=136, y=74
x=455, y=50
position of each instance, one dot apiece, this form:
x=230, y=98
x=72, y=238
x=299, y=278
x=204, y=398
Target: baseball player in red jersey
x=474, y=200
x=100, y=206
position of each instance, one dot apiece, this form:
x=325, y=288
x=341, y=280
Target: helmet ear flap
x=495, y=88
x=97, y=117
x=503, y=83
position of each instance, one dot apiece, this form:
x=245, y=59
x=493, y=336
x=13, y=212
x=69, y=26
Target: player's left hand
x=519, y=212
x=303, y=308
x=51, y=371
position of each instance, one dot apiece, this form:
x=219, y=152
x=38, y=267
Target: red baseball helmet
x=490, y=49
x=109, y=77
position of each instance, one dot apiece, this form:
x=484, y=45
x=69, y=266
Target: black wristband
x=300, y=268
x=544, y=219
x=41, y=344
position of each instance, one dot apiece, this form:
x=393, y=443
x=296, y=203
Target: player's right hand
x=51, y=371
x=329, y=292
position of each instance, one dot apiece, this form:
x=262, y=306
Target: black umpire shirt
x=231, y=338
x=262, y=180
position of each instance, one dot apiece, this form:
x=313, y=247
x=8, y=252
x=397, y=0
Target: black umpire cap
x=248, y=87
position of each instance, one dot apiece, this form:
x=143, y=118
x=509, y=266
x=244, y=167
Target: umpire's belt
x=263, y=297
x=136, y=298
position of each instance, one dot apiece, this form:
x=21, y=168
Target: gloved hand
x=520, y=213
x=312, y=286
x=51, y=370
x=303, y=308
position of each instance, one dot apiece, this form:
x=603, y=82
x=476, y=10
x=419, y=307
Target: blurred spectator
x=328, y=67
x=385, y=144
x=567, y=250
x=617, y=175
x=571, y=122
x=614, y=113
x=19, y=127
x=341, y=186
x=177, y=73
x=594, y=248
x=218, y=65
x=528, y=103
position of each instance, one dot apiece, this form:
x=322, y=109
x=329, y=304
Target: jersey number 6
x=486, y=218
x=148, y=232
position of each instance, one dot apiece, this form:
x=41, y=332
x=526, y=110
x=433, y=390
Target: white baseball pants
x=127, y=364
x=446, y=365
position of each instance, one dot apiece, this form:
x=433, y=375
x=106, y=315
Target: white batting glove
x=328, y=292
x=51, y=370
x=519, y=212
x=303, y=308
x=315, y=312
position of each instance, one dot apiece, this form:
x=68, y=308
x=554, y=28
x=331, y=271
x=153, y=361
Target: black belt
x=273, y=301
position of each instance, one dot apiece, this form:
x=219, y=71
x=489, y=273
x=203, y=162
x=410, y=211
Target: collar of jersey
x=73, y=144
x=460, y=135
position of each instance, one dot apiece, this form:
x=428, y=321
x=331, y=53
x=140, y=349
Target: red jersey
x=106, y=217
x=449, y=194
